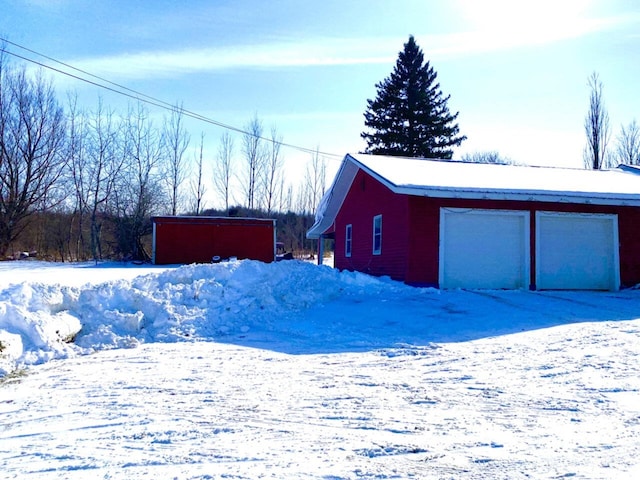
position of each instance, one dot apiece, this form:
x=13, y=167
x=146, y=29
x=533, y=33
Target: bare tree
x=254, y=157
x=197, y=186
x=273, y=172
x=76, y=157
x=32, y=149
x=285, y=195
x=315, y=179
x=139, y=194
x=301, y=205
x=487, y=157
x=628, y=144
x=176, y=141
x=101, y=170
x=596, y=126
x=223, y=169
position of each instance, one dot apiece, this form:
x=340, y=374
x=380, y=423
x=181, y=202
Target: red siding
x=198, y=239
x=425, y=237
x=366, y=199
x=411, y=230
x=424, y=241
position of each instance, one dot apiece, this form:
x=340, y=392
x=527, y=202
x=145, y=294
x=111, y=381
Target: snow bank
x=296, y=307
x=35, y=326
x=40, y=322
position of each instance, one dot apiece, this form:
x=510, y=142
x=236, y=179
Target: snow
x=296, y=371
x=442, y=178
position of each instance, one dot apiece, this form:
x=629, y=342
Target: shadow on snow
x=432, y=316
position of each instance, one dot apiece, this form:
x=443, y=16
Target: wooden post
x=320, y=249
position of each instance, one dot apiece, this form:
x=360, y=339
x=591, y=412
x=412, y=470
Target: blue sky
x=517, y=72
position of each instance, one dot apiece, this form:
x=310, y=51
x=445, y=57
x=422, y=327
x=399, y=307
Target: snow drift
x=40, y=322
x=56, y=312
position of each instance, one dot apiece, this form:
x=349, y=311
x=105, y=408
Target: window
x=377, y=234
x=347, y=241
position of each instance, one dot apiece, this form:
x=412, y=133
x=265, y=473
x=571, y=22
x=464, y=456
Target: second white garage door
x=484, y=248
x=577, y=251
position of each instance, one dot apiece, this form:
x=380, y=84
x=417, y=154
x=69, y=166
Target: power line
x=142, y=97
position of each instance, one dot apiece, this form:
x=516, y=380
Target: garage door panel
x=484, y=249
x=576, y=251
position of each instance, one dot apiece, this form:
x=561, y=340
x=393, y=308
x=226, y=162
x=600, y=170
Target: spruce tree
x=409, y=116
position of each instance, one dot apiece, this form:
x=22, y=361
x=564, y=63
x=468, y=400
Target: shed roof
x=211, y=220
x=455, y=179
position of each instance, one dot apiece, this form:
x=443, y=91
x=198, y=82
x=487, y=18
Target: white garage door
x=577, y=251
x=484, y=248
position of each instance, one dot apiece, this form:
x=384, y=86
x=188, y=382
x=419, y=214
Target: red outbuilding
x=451, y=224
x=205, y=239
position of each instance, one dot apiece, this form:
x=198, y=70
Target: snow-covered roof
x=454, y=179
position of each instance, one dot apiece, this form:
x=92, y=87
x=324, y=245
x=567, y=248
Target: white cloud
x=491, y=14
x=347, y=51
x=510, y=36
x=283, y=55
x=48, y=4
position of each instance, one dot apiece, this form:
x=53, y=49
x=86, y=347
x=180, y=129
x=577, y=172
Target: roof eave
x=316, y=231
x=336, y=195
x=586, y=198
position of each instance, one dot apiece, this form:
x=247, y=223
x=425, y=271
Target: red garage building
x=466, y=225
x=200, y=239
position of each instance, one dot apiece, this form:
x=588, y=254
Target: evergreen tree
x=409, y=116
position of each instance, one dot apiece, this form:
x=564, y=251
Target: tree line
x=79, y=184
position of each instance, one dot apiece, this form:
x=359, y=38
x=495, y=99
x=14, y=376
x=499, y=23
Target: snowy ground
x=293, y=371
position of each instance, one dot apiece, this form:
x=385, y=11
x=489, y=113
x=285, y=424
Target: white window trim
x=373, y=244
x=348, y=240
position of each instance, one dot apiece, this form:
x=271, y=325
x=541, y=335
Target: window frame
x=377, y=219
x=348, y=240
